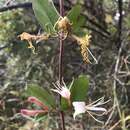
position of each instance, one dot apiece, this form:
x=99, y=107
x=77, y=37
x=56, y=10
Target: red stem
x=61, y=3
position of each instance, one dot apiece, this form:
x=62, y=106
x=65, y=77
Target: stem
x=61, y=3
x=120, y=4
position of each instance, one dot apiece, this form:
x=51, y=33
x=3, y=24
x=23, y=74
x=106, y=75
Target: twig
x=116, y=124
x=121, y=45
x=96, y=24
x=97, y=31
x=4, y=47
x=17, y=6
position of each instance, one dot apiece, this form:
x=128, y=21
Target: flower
x=79, y=108
x=26, y=112
x=92, y=109
x=63, y=90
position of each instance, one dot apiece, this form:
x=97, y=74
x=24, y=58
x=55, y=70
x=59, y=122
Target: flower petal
x=65, y=93
x=100, y=109
x=79, y=108
x=37, y=102
x=27, y=112
x=55, y=90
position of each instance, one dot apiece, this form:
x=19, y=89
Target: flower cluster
x=80, y=106
x=27, y=112
x=94, y=109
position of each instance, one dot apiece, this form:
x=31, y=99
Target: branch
x=96, y=24
x=17, y=6
x=4, y=47
x=96, y=31
x=120, y=23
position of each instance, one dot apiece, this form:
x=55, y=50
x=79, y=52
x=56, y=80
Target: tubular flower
x=63, y=90
x=26, y=112
x=79, y=108
x=92, y=109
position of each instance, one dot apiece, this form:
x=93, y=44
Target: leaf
x=75, y=18
x=46, y=14
x=79, y=88
x=41, y=94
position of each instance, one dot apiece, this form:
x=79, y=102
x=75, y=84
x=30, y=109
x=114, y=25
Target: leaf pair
x=47, y=15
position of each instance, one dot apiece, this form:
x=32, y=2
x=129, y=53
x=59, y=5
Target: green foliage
x=79, y=88
x=41, y=94
x=46, y=14
x=76, y=19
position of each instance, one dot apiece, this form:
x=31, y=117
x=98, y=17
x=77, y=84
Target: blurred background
x=108, y=21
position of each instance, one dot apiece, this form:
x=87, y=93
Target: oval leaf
x=79, y=88
x=41, y=94
x=46, y=14
x=75, y=18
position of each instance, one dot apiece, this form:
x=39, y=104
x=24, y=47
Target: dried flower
x=84, y=43
x=30, y=38
x=64, y=25
x=26, y=112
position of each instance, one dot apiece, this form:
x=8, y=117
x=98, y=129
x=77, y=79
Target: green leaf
x=79, y=88
x=46, y=14
x=41, y=94
x=75, y=18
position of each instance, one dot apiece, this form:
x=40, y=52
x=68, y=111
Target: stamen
x=94, y=118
